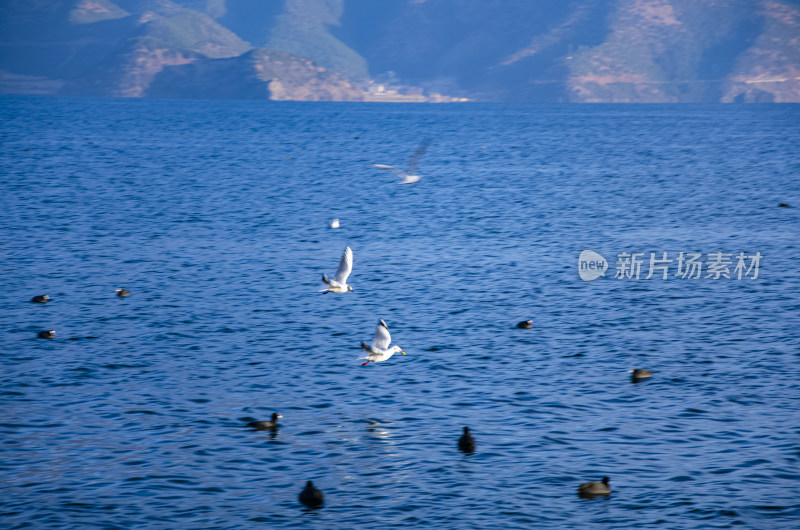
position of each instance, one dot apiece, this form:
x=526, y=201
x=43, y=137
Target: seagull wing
x=414, y=162
x=382, y=338
x=399, y=172
x=345, y=267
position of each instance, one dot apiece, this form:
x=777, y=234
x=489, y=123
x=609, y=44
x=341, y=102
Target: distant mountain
x=667, y=51
x=170, y=36
x=261, y=73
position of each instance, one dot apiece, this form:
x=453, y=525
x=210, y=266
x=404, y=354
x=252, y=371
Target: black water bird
x=466, y=443
x=525, y=324
x=311, y=496
x=47, y=334
x=590, y=489
x=40, y=299
x=783, y=205
x=123, y=292
x=639, y=374
x=266, y=425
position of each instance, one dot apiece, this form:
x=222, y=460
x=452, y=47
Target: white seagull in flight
x=409, y=176
x=379, y=350
x=339, y=282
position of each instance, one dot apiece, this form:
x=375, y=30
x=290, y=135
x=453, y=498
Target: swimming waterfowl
x=267, y=424
x=311, y=496
x=339, y=282
x=47, y=334
x=525, y=324
x=334, y=223
x=123, y=292
x=466, y=443
x=379, y=350
x=783, y=205
x=640, y=373
x=40, y=299
x=590, y=489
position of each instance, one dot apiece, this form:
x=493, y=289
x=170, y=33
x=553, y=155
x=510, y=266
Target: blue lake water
x=215, y=215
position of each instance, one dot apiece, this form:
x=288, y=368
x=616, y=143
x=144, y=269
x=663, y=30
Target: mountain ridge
x=633, y=51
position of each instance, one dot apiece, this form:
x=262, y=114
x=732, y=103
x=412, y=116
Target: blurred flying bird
x=409, y=176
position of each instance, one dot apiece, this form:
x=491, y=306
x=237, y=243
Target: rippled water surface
x=214, y=215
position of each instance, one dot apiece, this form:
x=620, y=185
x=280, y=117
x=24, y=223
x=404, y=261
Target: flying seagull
x=379, y=350
x=339, y=282
x=409, y=176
